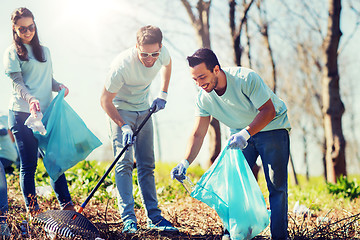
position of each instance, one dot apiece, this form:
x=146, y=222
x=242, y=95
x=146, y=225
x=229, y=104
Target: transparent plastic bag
x=188, y=184
x=35, y=123
x=230, y=188
x=67, y=141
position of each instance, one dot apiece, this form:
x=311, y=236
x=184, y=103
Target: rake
x=71, y=224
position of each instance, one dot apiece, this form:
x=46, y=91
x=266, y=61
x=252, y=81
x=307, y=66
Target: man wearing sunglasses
x=125, y=100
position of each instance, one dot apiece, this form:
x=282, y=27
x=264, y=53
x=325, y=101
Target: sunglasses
x=23, y=29
x=145, y=54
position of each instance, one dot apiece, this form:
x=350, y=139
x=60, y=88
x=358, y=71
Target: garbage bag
x=67, y=140
x=230, y=188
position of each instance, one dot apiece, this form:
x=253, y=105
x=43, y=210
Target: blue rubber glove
x=239, y=140
x=179, y=171
x=127, y=135
x=159, y=103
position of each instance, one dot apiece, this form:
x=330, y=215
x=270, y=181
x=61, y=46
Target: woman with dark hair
x=28, y=65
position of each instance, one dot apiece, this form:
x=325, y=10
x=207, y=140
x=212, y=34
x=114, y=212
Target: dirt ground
x=194, y=220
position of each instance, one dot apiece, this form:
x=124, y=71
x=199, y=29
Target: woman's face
x=25, y=29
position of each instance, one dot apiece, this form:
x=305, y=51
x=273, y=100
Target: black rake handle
x=151, y=111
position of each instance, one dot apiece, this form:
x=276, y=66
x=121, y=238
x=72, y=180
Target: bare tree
x=236, y=31
x=200, y=22
x=324, y=57
x=308, y=96
x=301, y=72
x=264, y=30
x=333, y=107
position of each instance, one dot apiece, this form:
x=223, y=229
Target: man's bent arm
x=197, y=137
x=264, y=117
x=108, y=106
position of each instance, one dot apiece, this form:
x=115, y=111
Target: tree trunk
x=236, y=33
x=214, y=140
x=333, y=107
x=264, y=30
x=306, y=162
x=324, y=159
x=202, y=27
x=272, y=60
x=292, y=171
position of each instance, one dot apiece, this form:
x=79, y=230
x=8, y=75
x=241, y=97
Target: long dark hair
x=35, y=43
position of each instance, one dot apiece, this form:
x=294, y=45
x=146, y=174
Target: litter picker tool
x=70, y=224
x=188, y=184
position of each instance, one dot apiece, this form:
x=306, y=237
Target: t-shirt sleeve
x=11, y=61
x=256, y=90
x=199, y=110
x=165, y=56
x=114, y=80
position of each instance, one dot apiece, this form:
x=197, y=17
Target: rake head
x=68, y=224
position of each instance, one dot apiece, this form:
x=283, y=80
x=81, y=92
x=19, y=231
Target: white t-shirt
x=37, y=77
x=238, y=106
x=131, y=80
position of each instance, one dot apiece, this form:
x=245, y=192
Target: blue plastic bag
x=67, y=141
x=230, y=188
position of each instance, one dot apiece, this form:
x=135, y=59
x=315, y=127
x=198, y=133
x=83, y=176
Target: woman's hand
x=34, y=107
x=62, y=86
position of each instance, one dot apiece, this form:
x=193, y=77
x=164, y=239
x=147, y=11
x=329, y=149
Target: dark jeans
x=8, y=165
x=4, y=207
x=28, y=151
x=273, y=148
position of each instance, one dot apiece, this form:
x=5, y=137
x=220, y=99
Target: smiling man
x=258, y=121
x=125, y=100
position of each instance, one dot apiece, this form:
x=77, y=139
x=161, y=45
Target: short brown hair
x=149, y=35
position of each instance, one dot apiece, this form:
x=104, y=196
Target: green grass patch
x=83, y=177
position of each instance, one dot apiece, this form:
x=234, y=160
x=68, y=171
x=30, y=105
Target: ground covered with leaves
x=323, y=216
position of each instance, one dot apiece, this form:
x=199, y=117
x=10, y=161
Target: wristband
x=185, y=163
x=125, y=127
x=163, y=95
x=245, y=134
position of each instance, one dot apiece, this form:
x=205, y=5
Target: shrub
x=344, y=188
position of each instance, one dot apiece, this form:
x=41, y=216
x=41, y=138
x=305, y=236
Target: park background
x=85, y=36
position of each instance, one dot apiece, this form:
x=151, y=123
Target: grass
x=194, y=219
x=315, y=195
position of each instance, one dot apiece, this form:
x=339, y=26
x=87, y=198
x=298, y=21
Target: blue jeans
x=27, y=145
x=143, y=150
x=4, y=207
x=8, y=163
x=273, y=148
